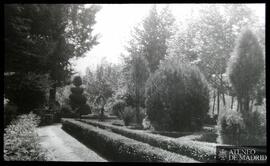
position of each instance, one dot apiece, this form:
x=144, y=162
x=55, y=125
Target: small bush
x=85, y=109
x=128, y=115
x=21, y=140
x=255, y=129
x=211, y=120
x=118, y=107
x=177, y=97
x=117, y=147
x=66, y=111
x=233, y=129
x=146, y=123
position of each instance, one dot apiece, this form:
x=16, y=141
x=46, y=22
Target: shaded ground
x=63, y=147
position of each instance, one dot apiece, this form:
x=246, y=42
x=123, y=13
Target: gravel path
x=63, y=147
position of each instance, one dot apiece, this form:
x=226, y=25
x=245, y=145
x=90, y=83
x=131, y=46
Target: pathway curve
x=63, y=147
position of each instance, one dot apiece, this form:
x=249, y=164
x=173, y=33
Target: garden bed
x=117, y=147
x=202, y=151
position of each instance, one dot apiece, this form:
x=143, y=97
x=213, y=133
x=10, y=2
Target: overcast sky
x=114, y=23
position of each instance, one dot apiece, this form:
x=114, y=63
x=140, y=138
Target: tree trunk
x=213, y=108
x=251, y=105
x=238, y=105
x=218, y=101
x=246, y=105
x=241, y=105
x=232, y=102
x=224, y=101
x=137, y=105
x=52, y=97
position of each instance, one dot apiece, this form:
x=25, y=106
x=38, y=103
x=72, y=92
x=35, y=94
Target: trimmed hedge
x=119, y=148
x=202, y=151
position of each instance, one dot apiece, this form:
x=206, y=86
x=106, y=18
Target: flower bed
x=21, y=140
x=119, y=148
x=202, y=151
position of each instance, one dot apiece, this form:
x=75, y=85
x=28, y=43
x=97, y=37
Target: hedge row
x=119, y=148
x=202, y=151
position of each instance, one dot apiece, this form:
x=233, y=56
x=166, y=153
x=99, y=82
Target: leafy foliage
x=21, y=141
x=245, y=67
x=231, y=127
x=42, y=38
x=156, y=29
x=177, y=97
x=27, y=91
x=118, y=107
x=208, y=39
x=104, y=80
x=234, y=130
x=10, y=113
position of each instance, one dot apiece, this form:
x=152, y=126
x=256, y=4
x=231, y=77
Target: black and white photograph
x=168, y=82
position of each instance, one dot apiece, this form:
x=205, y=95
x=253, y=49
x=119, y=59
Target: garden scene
x=168, y=83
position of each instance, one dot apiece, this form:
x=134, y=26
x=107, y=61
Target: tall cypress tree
x=245, y=68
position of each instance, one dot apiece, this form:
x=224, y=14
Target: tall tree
x=208, y=41
x=48, y=36
x=153, y=34
x=137, y=72
x=245, y=68
x=104, y=80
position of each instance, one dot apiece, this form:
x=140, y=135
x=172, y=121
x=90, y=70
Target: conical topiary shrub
x=77, y=99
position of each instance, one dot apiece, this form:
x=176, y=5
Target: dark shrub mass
x=77, y=100
x=177, y=97
x=10, y=113
x=77, y=81
x=27, y=91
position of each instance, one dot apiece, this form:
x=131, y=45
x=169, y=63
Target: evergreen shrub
x=177, y=97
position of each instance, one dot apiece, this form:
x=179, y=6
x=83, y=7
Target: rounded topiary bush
x=177, y=97
x=77, y=81
x=77, y=99
x=76, y=90
x=231, y=127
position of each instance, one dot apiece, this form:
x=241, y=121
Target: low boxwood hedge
x=116, y=147
x=202, y=151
